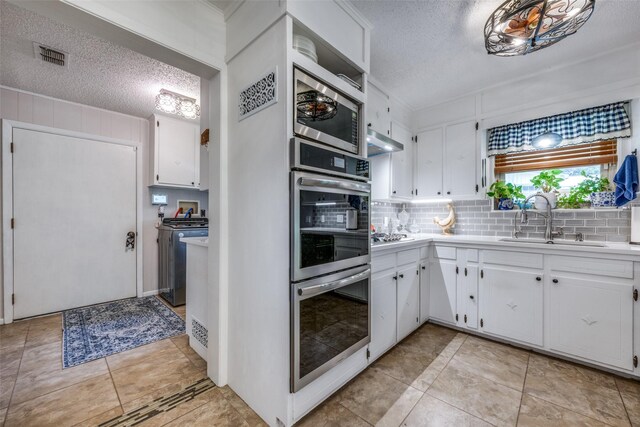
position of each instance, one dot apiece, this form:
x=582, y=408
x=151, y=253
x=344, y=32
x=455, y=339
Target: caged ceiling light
x=174, y=103
x=519, y=27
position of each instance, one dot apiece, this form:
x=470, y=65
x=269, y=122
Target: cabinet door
x=591, y=319
x=402, y=164
x=424, y=291
x=428, y=168
x=178, y=152
x=408, y=300
x=460, y=160
x=383, y=313
x=511, y=305
x=378, y=117
x=468, y=297
x=442, y=290
x=380, y=177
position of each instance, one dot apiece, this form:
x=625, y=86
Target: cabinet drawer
x=472, y=255
x=514, y=259
x=600, y=267
x=383, y=262
x=444, y=252
x=408, y=257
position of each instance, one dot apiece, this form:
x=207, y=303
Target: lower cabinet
x=442, y=290
x=383, y=313
x=592, y=319
x=511, y=304
x=467, y=296
x=408, y=300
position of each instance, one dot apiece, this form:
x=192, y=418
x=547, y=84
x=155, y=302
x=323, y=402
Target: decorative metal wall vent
x=50, y=55
x=199, y=332
x=259, y=95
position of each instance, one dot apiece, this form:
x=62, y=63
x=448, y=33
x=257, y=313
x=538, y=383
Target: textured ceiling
x=100, y=73
x=428, y=51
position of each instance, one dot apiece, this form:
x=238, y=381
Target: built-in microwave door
x=322, y=239
x=330, y=320
x=324, y=115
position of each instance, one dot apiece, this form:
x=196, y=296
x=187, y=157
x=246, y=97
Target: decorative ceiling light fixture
x=546, y=140
x=519, y=27
x=174, y=103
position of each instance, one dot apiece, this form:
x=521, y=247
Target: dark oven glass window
x=328, y=232
x=326, y=115
x=332, y=322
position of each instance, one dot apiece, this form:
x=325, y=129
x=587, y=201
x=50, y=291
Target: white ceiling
x=428, y=51
x=100, y=73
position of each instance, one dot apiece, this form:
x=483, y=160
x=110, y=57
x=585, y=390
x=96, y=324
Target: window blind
x=595, y=153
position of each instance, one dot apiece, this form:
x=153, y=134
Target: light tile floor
x=435, y=377
x=36, y=391
x=439, y=377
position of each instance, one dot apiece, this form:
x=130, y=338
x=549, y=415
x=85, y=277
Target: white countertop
x=422, y=239
x=196, y=241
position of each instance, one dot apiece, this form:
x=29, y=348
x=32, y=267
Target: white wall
x=258, y=251
x=36, y=109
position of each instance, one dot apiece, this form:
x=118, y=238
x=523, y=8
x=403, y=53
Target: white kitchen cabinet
x=424, y=290
x=442, y=290
x=383, y=313
x=511, y=303
x=408, y=299
x=446, y=162
x=175, y=152
x=591, y=318
x=429, y=163
x=378, y=107
x=467, y=295
x=460, y=160
x=402, y=163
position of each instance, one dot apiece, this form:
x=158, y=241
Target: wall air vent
x=50, y=55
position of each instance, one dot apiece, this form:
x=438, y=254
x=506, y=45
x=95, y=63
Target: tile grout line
x=114, y=383
x=624, y=405
x=523, y=386
x=13, y=389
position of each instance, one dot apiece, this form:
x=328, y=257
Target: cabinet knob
x=538, y=278
x=471, y=297
x=448, y=192
x=395, y=277
x=402, y=276
x=424, y=268
x=439, y=193
x=555, y=280
x=368, y=124
x=394, y=191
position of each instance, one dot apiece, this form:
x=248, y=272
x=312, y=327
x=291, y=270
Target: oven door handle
x=326, y=287
x=334, y=183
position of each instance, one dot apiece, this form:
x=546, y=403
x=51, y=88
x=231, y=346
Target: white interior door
x=74, y=201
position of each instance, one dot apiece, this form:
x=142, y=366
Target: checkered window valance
x=578, y=127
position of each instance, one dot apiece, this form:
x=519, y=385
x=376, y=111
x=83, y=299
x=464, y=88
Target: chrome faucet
x=549, y=234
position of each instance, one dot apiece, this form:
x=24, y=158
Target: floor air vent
x=50, y=55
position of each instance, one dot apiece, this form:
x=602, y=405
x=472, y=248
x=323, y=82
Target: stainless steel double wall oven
x=330, y=256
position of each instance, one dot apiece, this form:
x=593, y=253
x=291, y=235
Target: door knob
x=131, y=241
x=555, y=280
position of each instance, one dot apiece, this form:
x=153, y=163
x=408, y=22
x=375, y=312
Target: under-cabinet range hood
x=378, y=143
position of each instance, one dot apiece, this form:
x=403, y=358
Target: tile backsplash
x=476, y=217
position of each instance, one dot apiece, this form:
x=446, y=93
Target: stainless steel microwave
x=323, y=114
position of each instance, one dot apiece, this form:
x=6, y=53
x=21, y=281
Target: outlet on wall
x=339, y=218
x=322, y=218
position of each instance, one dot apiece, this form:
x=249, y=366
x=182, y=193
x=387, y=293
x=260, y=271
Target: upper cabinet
x=392, y=173
x=447, y=162
x=378, y=115
x=175, y=152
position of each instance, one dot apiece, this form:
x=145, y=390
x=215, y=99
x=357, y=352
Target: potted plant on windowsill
x=592, y=189
x=505, y=193
x=548, y=182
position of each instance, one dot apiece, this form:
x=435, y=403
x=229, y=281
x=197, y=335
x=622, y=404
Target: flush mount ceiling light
x=546, y=140
x=519, y=27
x=174, y=103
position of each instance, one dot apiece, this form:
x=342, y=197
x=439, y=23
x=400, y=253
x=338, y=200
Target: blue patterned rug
x=100, y=330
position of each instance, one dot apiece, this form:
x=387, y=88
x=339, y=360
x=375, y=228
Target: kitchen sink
x=555, y=242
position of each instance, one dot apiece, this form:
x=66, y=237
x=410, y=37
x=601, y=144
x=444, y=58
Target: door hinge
x=465, y=318
x=416, y=138
x=417, y=320
x=388, y=110
x=416, y=191
x=456, y=317
x=417, y=272
x=477, y=188
x=157, y=177
x=158, y=123
x=457, y=270
x=465, y=271
x=13, y=224
x=368, y=354
x=635, y=291
x=635, y=361
x=477, y=125
x=482, y=274
x=481, y=323
x=13, y=299
x=11, y=147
